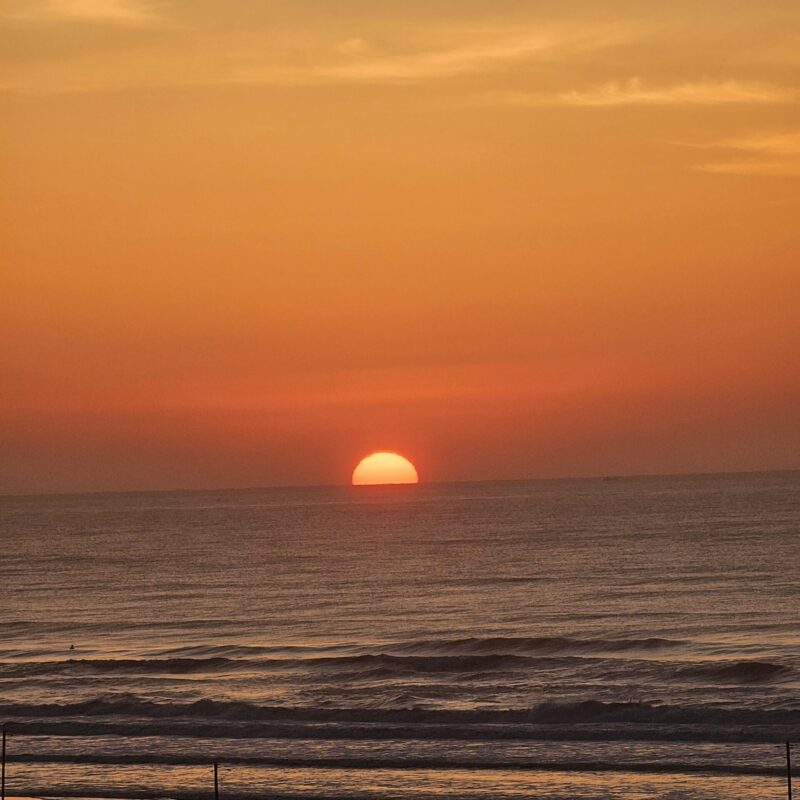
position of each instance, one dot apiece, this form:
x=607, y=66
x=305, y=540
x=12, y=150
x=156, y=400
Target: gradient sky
x=247, y=242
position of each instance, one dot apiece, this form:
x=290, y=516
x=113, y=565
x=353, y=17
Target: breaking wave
x=461, y=660
x=736, y=672
x=440, y=723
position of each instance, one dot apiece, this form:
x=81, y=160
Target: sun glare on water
x=384, y=468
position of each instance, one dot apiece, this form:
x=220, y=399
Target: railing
x=215, y=766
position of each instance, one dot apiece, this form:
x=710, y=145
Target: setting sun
x=547, y=251
x=384, y=468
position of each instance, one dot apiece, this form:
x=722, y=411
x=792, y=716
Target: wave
x=386, y=666
x=399, y=664
x=473, y=654
x=523, y=645
x=397, y=763
x=576, y=713
x=379, y=663
x=133, y=666
x=379, y=666
x=736, y=672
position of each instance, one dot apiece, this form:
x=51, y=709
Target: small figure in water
x=72, y=647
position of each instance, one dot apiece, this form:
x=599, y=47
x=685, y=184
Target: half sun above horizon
x=384, y=468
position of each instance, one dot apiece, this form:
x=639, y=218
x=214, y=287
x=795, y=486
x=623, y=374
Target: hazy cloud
x=774, y=154
x=766, y=168
x=635, y=92
x=118, y=11
x=780, y=144
x=457, y=53
x=275, y=59
x=480, y=51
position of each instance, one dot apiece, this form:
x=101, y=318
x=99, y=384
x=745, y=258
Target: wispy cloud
x=765, y=168
x=635, y=92
x=477, y=52
x=116, y=11
x=443, y=63
x=774, y=154
x=460, y=52
x=778, y=144
x=264, y=58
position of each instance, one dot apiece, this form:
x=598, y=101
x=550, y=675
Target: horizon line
x=277, y=487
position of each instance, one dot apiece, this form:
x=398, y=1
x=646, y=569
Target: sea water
x=635, y=638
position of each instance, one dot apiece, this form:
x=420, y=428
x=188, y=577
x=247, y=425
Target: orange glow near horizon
x=384, y=468
x=242, y=241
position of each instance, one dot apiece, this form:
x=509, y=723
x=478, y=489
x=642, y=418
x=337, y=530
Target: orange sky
x=246, y=243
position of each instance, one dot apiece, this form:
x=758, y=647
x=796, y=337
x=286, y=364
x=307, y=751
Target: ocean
x=618, y=638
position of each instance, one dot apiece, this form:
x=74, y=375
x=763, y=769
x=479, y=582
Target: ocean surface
x=626, y=638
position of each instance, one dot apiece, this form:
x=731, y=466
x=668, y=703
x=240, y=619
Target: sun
x=382, y=468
